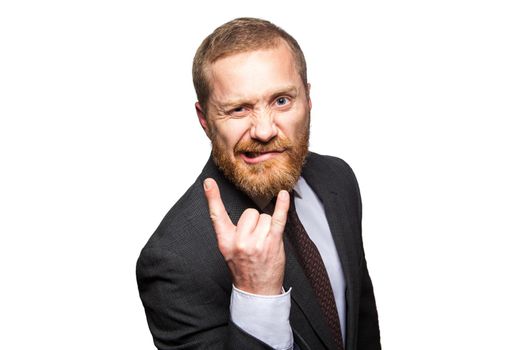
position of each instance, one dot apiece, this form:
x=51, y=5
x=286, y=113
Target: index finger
x=280, y=213
x=219, y=217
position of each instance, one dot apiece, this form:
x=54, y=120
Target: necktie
x=314, y=269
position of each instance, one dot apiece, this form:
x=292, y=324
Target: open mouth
x=256, y=157
x=253, y=154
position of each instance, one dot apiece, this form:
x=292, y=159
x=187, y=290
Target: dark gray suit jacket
x=185, y=285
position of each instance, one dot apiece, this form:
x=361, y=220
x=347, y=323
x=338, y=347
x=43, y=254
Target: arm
x=266, y=317
x=368, y=337
x=186, y=309
x=368, y=330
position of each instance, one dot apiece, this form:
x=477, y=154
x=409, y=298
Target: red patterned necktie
x=314, y=269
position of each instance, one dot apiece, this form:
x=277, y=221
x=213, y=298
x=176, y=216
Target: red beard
x=267, y=178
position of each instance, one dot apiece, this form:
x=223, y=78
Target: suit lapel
x=303, y=295
x=338, y=221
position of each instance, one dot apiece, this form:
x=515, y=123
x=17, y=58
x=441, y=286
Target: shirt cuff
x=265, y=317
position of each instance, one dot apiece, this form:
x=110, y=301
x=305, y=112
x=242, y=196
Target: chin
x=264, y=179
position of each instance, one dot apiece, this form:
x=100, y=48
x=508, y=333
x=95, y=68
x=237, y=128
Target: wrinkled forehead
x=241, y=47
x=253, y=74
x=277, y=43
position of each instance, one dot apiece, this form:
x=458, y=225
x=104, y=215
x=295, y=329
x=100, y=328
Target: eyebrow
x=287, y=90
x=232, y=104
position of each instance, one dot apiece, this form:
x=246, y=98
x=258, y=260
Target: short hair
x=237, y=36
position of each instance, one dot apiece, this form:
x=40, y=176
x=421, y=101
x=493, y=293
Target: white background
x=98, y=139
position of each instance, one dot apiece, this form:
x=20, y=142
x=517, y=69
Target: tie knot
x=270, y=207
x=292, y=199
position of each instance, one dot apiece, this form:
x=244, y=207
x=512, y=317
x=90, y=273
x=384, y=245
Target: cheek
x=231, y=132
x=292, y=124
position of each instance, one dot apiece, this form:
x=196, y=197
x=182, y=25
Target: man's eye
x=281, y=101
x=238, y=111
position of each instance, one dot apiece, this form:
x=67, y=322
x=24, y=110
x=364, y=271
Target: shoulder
x=184, y=245
x=331, y=169
x=323, y=160
x=185, y=230
x=178, y=222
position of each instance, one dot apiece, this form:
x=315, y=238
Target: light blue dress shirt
x=267, y=317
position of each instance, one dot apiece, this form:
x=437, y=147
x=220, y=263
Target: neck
x=262, y=202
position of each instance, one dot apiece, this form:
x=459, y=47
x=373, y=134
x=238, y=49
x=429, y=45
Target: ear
x=308, y=96
x=202, y=118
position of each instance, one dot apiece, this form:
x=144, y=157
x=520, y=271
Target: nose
x=263, y=128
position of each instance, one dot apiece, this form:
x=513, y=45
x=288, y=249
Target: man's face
x=258, y=119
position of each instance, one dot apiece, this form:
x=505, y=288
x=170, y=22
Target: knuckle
x=258, y=249
x=223, y=247
x=240, y=248
x=279, y=220
x=251, y=212
x=265, y=216
x=245, y=249
x=214, y=213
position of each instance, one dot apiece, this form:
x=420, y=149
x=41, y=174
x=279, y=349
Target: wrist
x=261, y=290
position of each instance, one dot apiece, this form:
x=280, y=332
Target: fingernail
x=207, y=184
x=282, y=195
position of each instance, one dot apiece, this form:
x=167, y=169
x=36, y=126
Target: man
x=264, y=251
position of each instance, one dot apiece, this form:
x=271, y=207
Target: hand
x=254, y=249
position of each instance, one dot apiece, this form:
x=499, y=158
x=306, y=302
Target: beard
x=264, y=179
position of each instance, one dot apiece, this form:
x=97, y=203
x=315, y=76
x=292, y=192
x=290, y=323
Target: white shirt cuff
x=265, y=317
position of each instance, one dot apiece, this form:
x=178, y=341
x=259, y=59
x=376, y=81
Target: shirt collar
x=299, y=187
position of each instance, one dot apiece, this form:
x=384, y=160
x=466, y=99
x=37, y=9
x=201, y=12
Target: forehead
x=253, y=73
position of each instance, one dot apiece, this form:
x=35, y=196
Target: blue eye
x=281, y=101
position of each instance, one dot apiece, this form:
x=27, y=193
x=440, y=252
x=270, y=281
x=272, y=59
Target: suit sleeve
x=368, y=337
x=186, y=309
x=368, y=330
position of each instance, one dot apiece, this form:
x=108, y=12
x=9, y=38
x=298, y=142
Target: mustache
x=253, y=146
